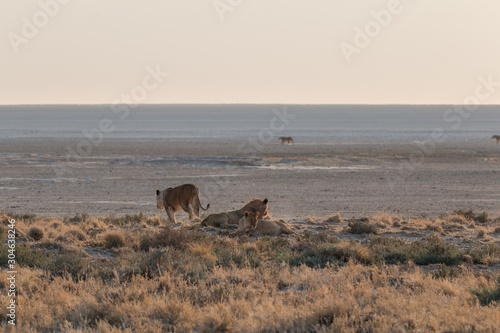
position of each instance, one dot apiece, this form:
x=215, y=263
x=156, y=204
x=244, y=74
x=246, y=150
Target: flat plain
x=387, y=237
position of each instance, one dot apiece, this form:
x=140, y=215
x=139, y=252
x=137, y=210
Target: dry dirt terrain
x=303, y=179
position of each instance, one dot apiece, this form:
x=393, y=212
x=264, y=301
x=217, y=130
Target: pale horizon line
x=246, y=104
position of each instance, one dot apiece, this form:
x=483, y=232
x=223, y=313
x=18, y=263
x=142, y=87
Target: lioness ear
x=157, y=192
x=265, y=201
x=246, y=214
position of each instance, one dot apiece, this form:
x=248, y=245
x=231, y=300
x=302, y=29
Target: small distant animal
x=496, y=137
x=173, y=199
x=287, y=139
x=226, y=219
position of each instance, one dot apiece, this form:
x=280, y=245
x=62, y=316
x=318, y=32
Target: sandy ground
x=355, y=179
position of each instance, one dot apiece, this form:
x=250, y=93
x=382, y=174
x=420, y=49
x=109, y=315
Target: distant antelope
x=284, y=139
x=496, y=137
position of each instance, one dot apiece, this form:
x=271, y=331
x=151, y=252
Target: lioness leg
x=171, y=214
x=196, y=207
x=187, y=209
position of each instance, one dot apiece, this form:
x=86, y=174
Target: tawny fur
x=496, y=137
x=225, y=220
x=272, y=228
x=173, y=199
x=287, y=139
x=247, y=223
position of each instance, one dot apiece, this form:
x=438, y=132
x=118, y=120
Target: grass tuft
x=362, y=227
x=488, y=295
x=35, y=233
x=113, y=240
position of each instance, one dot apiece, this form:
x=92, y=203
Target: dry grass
x=113, y=239
x=362, y=227
x=191, y=281
x=35, y=233
x=334, y=219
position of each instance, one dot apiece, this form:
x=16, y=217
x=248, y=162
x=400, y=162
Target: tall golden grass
x=179, y=280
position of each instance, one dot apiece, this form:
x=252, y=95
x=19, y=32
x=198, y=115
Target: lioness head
x=250, y=219
x=159, y=199
x=258, y=206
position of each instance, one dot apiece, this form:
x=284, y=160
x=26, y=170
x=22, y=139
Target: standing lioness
x=173, y=199
x=496, y=137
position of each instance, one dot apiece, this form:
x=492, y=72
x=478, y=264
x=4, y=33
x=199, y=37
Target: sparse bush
x=60, y=238
x=202, y=251
x=456, y=219
x=317, y=257
x=78, y=218
x=113, y=240
x=230, y=255
x=25, y=217
x=434, y=251
x=468, y=214
x=135, y=219
x=482, y=218
x=3, y=232
x=30, y=257
x=75, y=234
x=496, y=230
x=361, y=227
x=453, y=226
x=481, y=234
x=64, y=263
x=324, y=254
x=471, y=216
x=446, y=272
x=487, y=254
x=383, y=219
x=154, y=220
x=435, y=228
x=35, y=233
x=334, y=219
x=488, y=295
x=176, y=238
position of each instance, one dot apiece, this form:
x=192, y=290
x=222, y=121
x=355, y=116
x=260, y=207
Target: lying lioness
x=272, y=228
x=247, y=223
x=250, y=226
x=287, y=139
x=496, y=137
x=224, y=220
x=173, y=199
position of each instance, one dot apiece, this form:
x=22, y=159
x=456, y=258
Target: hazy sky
x=249, y=51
